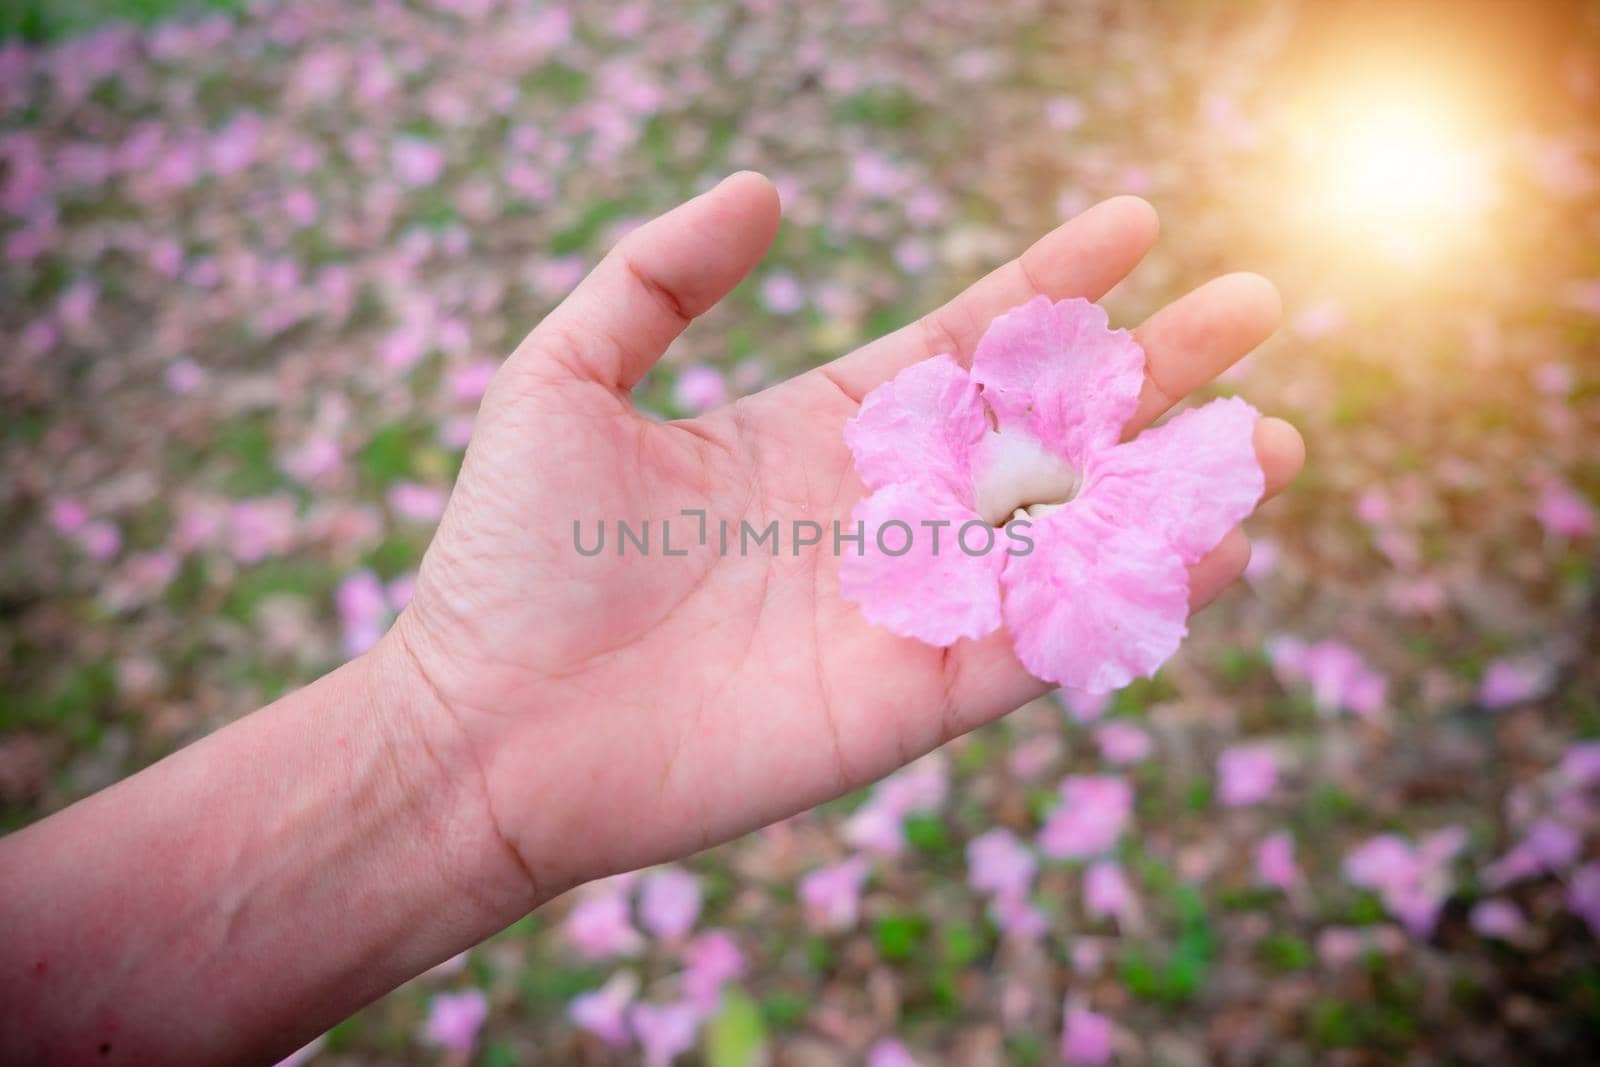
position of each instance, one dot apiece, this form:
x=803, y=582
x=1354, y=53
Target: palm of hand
x=624, y=709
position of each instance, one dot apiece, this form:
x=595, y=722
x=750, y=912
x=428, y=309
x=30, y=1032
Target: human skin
x=535, y=718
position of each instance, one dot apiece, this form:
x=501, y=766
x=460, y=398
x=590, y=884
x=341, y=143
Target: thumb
x=658, y=279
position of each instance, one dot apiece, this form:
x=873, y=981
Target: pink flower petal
x=1059, y=373
x=1246, y=775
x=921, y=428
x=935, y=592
x=665, y=1031
x=1093, y=606
x=669, y=902
x=1274, y=862
x=998, y=863
x=1090, y=819
x=1107, y=895
x=604, y=1011
x=1190, y=480
x=1087, y=1038
x=890, y=1053
x=454, y=1019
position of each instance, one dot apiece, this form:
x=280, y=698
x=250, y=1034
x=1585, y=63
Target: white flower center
x=1017, y=479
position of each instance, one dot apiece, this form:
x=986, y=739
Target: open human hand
x=614, y=711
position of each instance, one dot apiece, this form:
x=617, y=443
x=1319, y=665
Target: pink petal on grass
x=1107, y=895
x=890, y=1053
x=1090, y=818
x=1246, y=774
x=665, y=1031
x=454, y=1020
x=1087, y=1038
x=1093, y=606
x=604, y=1011
x=934, y=592
x=998, y=863
x=1190, y=480
x=710, y=961
x=1061, y=374
x=831, y=896
x=669, y=902
x=921, y=428
x=1274, y=862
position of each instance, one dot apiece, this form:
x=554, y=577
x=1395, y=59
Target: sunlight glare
x=1397, y=172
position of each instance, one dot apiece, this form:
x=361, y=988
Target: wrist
x=441, y=772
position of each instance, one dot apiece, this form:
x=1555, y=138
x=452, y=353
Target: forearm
x=235, y=899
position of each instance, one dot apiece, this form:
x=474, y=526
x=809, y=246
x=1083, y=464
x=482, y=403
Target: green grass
x=52, y=20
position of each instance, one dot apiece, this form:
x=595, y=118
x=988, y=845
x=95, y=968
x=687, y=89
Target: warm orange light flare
x=1398, y=172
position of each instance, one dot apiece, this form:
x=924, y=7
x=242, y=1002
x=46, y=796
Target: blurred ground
x=256, y=270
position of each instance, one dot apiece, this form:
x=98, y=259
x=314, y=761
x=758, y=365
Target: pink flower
x=1107, y=895
x=1580, y=764
x=711, y=961
x=781, y=294
x=260, y=528
x=669, y=902
x=1246, y=775
x=1029, y=760
x=1584, y=296
x=1122, y=743
x=1064, y=112
x=415, y=502
x=1412, y=882
x=469, y=383
x=1274, y=862
x=1089, y=819
x=315, y=459
x=1564, y=513
x=1086, y=1037
x=831, y=896
x=100, y=539
x=890, y=1053
x=665, y=1031
x=699, y=388
x=1088, y=955
x=604, y=1011
x=1339, y=679
x=879, y=824
x=417, y=162
x=998, y=863
x=68, y=515
x=1373, y=507
x=1016, y=916
x=1583, y=896
x=1500, y=919
x=184, y=376
x=77, y=303
x=1507, y=682
x=1340, y=946
x=1554, y=378
x=454, y=1020
x=599, y=927
x=913, y=256
x=1264, y=557
x=1547, y=847
x=363, y=611
x=1101, y=596
x=1084, y=707
x=875, y=175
